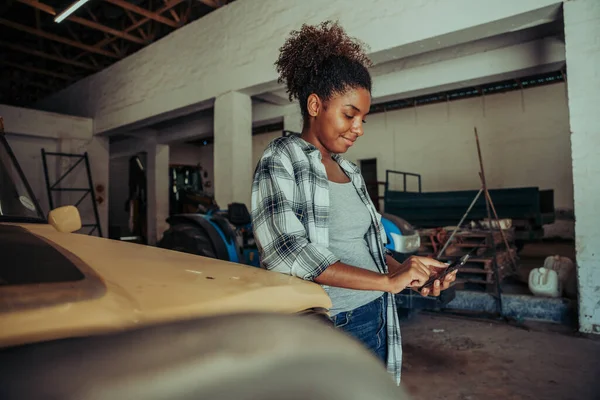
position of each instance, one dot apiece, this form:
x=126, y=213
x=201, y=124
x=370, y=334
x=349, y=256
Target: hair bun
x=307, y=50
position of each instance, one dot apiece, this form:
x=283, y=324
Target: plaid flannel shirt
x=290, y=205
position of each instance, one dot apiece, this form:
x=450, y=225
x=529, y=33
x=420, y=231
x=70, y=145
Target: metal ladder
x=79, y=158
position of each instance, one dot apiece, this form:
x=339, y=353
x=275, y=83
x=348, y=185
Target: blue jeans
x=367, y=324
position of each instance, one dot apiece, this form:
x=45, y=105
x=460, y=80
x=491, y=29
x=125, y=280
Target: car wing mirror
x=65, y=219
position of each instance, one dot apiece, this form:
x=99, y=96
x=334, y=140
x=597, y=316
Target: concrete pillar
x=233, y=149
x=157, y=180
x=582, y=30
x=292, y=120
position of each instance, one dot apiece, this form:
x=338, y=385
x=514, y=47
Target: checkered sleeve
x=381, y=229
x=276, y=217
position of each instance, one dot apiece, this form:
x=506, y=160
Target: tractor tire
x=188, y=238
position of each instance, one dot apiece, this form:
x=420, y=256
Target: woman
x=311, y=213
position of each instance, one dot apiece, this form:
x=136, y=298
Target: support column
x=233, y=149
x=157, y=178
x=582, y=30
x=292, y=120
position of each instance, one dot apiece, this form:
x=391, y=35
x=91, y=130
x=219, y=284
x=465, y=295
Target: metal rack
x=53, y=187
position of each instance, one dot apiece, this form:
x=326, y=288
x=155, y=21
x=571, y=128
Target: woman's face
x=338, y=122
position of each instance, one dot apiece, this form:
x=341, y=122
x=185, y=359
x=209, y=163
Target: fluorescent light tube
x=69, y=10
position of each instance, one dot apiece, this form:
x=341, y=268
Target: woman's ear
x=314, y=105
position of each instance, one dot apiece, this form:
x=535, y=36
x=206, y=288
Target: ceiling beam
x=185, y=15
x=114, y=46
x=37, y=70
x=141, y=22
x=52, y=57
x=134, y=20
x=210, y=3
x=56, y=38
x=85, y=22
x=173, y=13
x=146, y=13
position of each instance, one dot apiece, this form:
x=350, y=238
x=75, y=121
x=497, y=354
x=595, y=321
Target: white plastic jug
x=544, y=282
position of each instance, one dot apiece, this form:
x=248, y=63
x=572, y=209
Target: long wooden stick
x=460, y=223
x=512, y=260
x=487, y=206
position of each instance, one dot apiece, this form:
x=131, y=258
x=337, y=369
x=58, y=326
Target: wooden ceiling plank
x=141, y=22
x=146, y=13
x=116, y=49
x=172, y=12
x=187, y=13
x=37, y=70
x=41, y=54
x=106, y=35
x=210, y=3
x=85, y=22
x=175, y=16
x=121, y=34
x=39, y=6
x=140, y=30
x=56, y=38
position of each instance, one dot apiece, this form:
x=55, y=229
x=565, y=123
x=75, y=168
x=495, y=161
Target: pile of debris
x=482, y=244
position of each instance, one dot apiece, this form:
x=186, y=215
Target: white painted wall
x=28, y=122
x=233, y=148
x=582, y=33
x=524, y=142
x=157, y=179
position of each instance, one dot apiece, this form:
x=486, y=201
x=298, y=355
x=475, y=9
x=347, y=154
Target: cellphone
x=451, y=268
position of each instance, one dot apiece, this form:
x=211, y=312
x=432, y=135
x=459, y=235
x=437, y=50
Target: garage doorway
x=368, y=169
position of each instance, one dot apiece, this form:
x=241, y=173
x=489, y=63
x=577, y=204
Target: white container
x=544, y=282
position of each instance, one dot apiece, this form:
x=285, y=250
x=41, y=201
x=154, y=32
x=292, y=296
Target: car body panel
x=147, y=285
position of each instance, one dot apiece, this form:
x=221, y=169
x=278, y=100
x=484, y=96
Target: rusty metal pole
x=512, y=260
x=459, y=224
x=499, y=307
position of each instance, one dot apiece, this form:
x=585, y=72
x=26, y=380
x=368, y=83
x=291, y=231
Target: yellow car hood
x=146, y=285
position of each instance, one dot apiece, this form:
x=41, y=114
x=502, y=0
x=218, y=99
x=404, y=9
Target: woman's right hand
x=413, y=273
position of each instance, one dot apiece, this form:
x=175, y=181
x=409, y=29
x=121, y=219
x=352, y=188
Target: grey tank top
x=349, y=221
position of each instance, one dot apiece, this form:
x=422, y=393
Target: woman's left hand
x=437, y=286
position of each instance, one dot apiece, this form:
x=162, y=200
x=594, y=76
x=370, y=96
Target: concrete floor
x=453, y=358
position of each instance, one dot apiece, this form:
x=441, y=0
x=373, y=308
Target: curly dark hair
x=322, y=60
